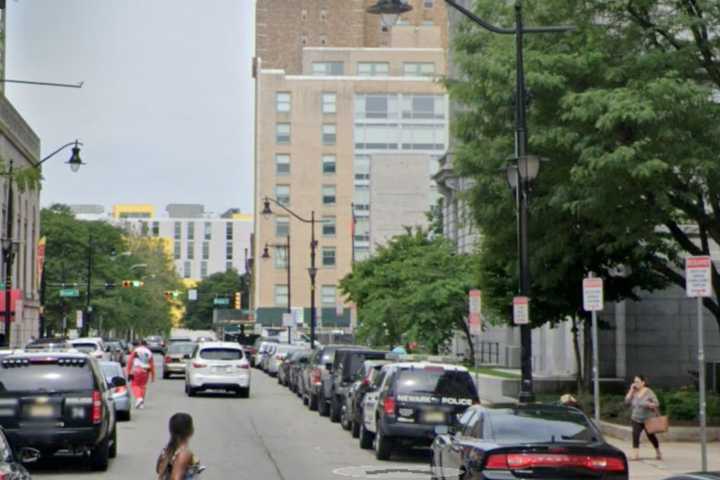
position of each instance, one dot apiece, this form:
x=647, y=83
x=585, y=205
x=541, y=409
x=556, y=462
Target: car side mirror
x=29, y=455
x=118, y=382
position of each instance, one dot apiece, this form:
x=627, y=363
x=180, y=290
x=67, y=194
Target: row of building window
x=328, y=193
x=188, y=273
x=283, y=134
x=328, y=226
x=328, y=295
x=283, y=102
x=190, y=230
x=190, y=250
x=373, y=69
x=410, y=106
x=282, y=164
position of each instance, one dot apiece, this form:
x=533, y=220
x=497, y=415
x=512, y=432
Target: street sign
x=221, y=301
x=593, y=297
x=698, y=281
x=521, y=310
x=192, y=295
x=287, y=320
x=69, y=292
x=474, y=320
x=298, y=316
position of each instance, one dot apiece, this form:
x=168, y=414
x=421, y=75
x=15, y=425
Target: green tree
x=414, y=288
x=199, y=313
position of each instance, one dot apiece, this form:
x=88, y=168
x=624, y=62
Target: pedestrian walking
x=177, y=461
x=140, y=368
x=645, y=405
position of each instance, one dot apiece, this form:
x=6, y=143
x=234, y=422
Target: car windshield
x=181, y=348
x=49, y=377
x=110, y=370
x=437, y=382
x=539, y=426
x=86, y=347
x=221, y=354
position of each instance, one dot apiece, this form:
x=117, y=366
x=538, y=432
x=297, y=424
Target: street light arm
x=44, y=84
x=279, y=204
x=70, y=144
x=506, y=31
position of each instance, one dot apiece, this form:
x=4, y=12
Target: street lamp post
x=312, y=271
x=265, y=256
x=9, y=245
x=390, y=11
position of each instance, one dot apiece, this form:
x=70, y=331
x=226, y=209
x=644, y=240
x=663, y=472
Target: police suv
x=409, y=400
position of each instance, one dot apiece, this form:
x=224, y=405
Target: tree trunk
x=466, y=330
x=578, y=355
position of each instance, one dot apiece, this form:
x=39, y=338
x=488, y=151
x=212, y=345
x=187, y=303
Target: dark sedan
x=529, y=441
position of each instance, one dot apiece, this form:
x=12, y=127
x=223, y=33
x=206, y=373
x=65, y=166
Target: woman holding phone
x=644, y=404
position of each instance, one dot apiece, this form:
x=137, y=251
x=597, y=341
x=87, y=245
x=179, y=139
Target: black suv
x=55, y=401
x=347, y=363
x=411, y=400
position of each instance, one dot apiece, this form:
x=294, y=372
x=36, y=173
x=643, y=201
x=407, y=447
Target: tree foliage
x=199, y=313
x=625, y=108
x=415, y=288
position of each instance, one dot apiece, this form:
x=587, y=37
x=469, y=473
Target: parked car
x=530, y=441
x=262, y=347
x=173, y=340
x=285, y=368
x=266, y=355
x=317, y=368
x=327, y=379
x=411, y=400
x=115, y=351
x=365, y=380
x=176, y=358
x=347, y=363
x=91, y=346
x=120, y=394
x=11, y=466
x=218, y=366
x=59, y=402
x=248, y=344
x=280, y=353
x=48, y=345
x=155, y=343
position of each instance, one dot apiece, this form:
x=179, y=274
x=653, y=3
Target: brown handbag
x=657, y=424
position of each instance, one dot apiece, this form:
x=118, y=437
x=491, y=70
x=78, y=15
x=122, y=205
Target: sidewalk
x=678, y=458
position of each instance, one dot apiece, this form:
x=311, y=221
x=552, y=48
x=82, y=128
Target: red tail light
x=315, y=377
x=198, y=365
x=389, y=405
x=96, y=406
x=168, y=359
x=525, y=461
x=365, y=382
x=244, y=365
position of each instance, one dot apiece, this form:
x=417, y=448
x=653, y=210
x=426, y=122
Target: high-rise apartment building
x=350, y=123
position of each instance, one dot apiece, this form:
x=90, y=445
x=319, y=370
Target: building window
x=208, y=231
x=373, y=69
x=323, y=39
x=428, y=3
x=280, y=257
x=329, y=134
x=376, y=106
x=228, y=251
x=362, y=253
x=281, y=295
x=418, y=69
x=178, y=230
x=328, y=164
x=282, y=194
x=282, y=102
x=327, y=68
x=328, y=194
x=328, y=295
x=206, y=250
x=329, y=103
x=156, y=229
x=282, y=226
x=228, y=266
x=282, y=164
x=228, y=231
x=187, y=270
x=203, y=270
x=328, y=257
x=328, y=226
x=190, y=250
x=423, y=106
x=361, y=167
x=282, y=133
x=191, y=230
x=176, y=250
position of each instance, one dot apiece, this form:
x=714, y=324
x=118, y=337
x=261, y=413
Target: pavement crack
x=267, y=450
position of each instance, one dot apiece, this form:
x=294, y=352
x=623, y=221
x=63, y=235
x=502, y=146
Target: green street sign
x=69, y=292
x=222, y=301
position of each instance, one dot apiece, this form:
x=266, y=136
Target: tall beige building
x=347, y=115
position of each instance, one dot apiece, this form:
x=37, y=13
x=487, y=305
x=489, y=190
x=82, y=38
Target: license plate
x=42, y=411
x=406, y=412
x=220, y=369
x=434, y=417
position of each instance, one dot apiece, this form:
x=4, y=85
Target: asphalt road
x=269, y=436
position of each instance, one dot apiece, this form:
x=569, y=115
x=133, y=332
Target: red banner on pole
x=15, y=296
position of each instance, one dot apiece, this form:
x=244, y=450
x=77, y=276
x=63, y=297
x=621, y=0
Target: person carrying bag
x=645, y=416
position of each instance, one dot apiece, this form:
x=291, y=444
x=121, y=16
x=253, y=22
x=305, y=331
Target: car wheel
x=313, y=402
x=366, y=438
x=99, y=456
x=323, y=407
x=305, y=400
x=244, y=392
x=335, y=409
x=166, y=376
x=191, y=392
x=383, y=446
x=112, y=452
x=355, y=429
x=344, y=420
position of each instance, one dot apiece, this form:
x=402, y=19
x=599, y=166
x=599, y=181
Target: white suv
x=218, y=366
x=90, y=346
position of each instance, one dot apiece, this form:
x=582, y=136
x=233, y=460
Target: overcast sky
x=165, y=112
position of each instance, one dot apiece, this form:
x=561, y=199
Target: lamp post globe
x=75, y=161
x=266, y=253
x=529, y=167
x=266, y=211
x=389, y=11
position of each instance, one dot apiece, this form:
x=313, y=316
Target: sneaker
x=139, y=403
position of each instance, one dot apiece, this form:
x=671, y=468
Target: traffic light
x=138, y=284
x=237, y=304
x=168, y=295
x=127, y=284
